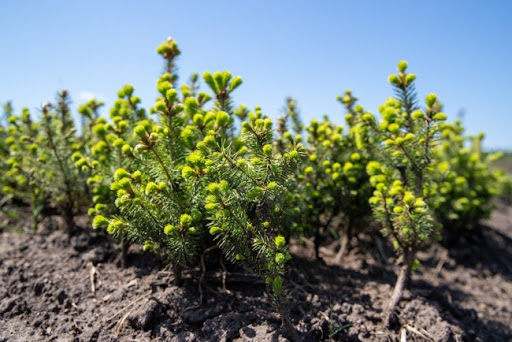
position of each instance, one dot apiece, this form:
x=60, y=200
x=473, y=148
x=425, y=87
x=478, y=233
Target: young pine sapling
x=401, y=178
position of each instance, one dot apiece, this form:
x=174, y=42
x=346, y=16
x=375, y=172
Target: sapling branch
x=234, y=165
x=164, y=168
x=169, y=115
x=148, y=212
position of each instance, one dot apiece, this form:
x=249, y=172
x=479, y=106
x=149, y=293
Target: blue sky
x=310, y=50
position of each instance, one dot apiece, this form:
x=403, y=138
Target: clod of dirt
x=259, y=333
x=201, y=314
x=146, y=314
x=222, y=328
x=417, y=312
x=38, y=288
x=319, y=331
x=62, y=296
x=13, y=307
x=95, y=255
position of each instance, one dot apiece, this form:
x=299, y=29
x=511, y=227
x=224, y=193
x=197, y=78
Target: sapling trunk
x=345, y=240
x=37, y=206
x=401, y=283
x=292, y=333
x=35, y=220
x=178, y=276
x=125, y=245
x=317, y=238
x=69, y=218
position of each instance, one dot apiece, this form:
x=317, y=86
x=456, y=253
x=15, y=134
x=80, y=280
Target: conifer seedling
x=402, y=178
x=40, y=160
x=194, y=184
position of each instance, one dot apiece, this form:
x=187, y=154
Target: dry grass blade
x=423, y=333
x=93, y=275
x=119, y=324
x=108, y=319
x=403, y=335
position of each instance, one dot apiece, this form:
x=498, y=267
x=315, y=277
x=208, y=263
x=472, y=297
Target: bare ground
x=57, y=288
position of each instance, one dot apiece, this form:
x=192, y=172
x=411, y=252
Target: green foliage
x=425, y=178
x=402, y=179
x=222, y=85
x=404, y=217
x=109, y=147
x=41, y=167
x=290, y=113
x=503, y=163
x=169, y=51
x=6, y=189
x=245, y=202
x=332, y=185
x=89, y=113
x=186, y=183
x=158, y=206
x=18, y=182
x=464, y=182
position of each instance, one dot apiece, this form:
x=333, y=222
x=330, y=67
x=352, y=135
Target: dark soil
x=460, y=293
